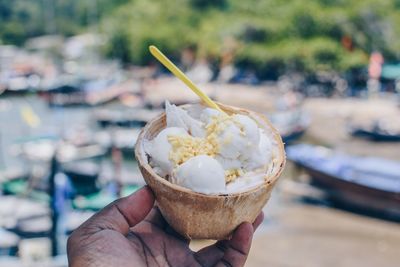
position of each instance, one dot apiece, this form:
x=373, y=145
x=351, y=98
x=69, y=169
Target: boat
x=34, y=227
x=291, y=124
x=24, y=181
x=83, y=176
x=295, y=134
x=378, y=131
x=78, y=92
x=43, y=149
x=13, y=173
x=8, y=243
x=289, y=117
x=124, y=117
x=17, y=215
x=123, y=139
x=366, y=184
x=2, y=88
x=19, y=79
x=13, y=208
x=375, y=135
x=98, y=200
x=74, y=218
x=39, y=227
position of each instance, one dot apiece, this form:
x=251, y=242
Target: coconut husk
x=199, y=216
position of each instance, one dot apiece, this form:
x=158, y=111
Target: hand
x=131, y=232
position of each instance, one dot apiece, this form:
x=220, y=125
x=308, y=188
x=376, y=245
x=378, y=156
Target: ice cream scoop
x=232, y=141
x=159, y=148
x=250, y=129
x=237, y=135
x=177, y=117
x=261, y=154
x=229, y=164
x=208, y=114
x=201, y=174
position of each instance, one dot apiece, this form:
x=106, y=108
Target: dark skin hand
x=131, y=232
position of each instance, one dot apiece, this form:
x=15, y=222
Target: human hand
x=131, y=232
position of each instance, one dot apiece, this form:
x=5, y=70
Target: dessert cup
x=200, y=216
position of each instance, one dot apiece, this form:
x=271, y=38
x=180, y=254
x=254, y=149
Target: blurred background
x=77, y=83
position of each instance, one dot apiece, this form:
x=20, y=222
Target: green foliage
x=22, y=19
x=271, y=36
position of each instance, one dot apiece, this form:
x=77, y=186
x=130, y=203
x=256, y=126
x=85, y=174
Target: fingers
x=121, y=214
x=210, y=255
x=135, y=207
x=155, y=217
x=225, y=250
x=237, y=249
x=258, y=220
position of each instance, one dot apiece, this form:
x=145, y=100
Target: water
x=28, y=117
x=51, y=122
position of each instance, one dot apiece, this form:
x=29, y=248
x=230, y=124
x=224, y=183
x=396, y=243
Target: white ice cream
x=207, y=114
x=232, y=141
x=252, y=134
x=262, y=154
x=209, y=152
x=227, y=163
x=178, y=117
x=159, y=149
x=202, y=174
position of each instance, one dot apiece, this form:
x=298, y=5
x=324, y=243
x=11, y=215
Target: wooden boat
x=291, y=124
x=88, y=93
x=13, y=173
x=75, y=218
x=34, y=227
x=17, y=215
x=8, y=243
x=43, y=149
x=295, y=134
x=124, y=118
x=366, y=184
x=67, y=91
x=123, y=139
x=375, y=134
x=97, y=201
x=385, y=129
x=83, y=176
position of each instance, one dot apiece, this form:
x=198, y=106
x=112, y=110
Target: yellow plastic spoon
x=179, y=74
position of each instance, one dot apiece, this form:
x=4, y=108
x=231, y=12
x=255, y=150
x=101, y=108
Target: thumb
x=121, y=214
